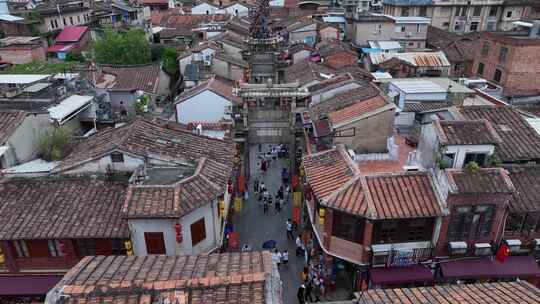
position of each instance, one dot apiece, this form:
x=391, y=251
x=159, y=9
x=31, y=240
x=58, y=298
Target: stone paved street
x=255, y=227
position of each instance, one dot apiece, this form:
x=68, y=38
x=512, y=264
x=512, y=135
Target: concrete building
x=20, y=133
x=238, y=9
x=410, y=32
x=510, y=61
x=210, y=101
x=462, y=16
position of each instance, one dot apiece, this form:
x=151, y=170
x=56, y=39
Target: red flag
x=502, y=253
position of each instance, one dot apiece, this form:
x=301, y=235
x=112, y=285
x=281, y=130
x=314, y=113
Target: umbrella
x=270, y=244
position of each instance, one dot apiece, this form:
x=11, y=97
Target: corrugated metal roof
x=22, y=79
x=68, y=106
x=419, y=86
x=410, y=20
x=432, y=59
x=384, y=45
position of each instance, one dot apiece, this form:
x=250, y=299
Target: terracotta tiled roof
x=500, y=292
x=9, y=122
x=306, y=72
x=526, y=180
x=134, y=77
x=329, y=170
x=520, y=142
x=342, y=100
x=219, y=86
x=488, y=180
x=208, y=182
x=214, y=278
x=61, y=208
x=466, y=132
x=330, y=83
x=357, y=109
x=149, y=140
x=329, y=47
x=388, y=196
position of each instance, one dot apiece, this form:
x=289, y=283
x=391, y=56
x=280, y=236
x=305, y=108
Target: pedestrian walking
x=265, y=206
x=266, y=195
x=299, y=245
x=276, y=257
x=287, y=193
x=256, y=185
x=300, y=294
x=262, y=187
x=304, y=274
x=308, y=290
x=277, y=205
x=317, y=289
x=280, y=192
x=285, y=257
x=289, y=227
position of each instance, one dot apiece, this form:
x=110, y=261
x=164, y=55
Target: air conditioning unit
x=457, y=248
x=514, y=245
x=482, y=249
x=381, y=254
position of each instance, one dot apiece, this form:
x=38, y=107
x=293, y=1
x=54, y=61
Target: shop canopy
x=401, y=275
x=483, y=268
x=27, y=285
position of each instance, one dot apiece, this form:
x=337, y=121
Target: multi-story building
x=410, y=32
x=462, y=15
x=511, y=61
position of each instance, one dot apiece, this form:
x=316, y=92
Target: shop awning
x=400, y=275
x=513, y=267
x=60, y=48
x=27, y=285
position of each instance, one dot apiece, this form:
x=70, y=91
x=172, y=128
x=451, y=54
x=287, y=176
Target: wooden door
x=155, y=243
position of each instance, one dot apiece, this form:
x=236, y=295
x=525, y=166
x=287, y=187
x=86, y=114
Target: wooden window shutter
x=155, y=243
x=198, y=232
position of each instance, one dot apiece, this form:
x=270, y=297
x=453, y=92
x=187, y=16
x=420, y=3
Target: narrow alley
x=255, y=227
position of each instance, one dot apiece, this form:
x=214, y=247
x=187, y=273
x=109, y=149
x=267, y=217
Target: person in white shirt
x=285, y=257
x=276, y=257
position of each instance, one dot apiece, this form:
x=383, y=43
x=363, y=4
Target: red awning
x=27, y=285
x=401, y=275
x=60, y=48
x=480, y=268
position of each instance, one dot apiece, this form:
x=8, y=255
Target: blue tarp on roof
x=370, y=50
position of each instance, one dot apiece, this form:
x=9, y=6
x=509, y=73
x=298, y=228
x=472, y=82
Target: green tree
x=116, y=47
x=170, y=65
x=52, y=144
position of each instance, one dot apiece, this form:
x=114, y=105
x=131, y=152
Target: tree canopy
x=170, y=65
x=115, y=47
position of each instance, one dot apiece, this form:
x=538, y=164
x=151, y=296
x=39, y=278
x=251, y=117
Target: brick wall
x=500, y=200
x=21, y=55
x=521, y=69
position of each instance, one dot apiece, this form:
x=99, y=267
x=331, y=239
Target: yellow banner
x=222, y=212
x=238, y=204
x=297, y=199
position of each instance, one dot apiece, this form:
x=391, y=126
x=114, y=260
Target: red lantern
x=178, y=230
